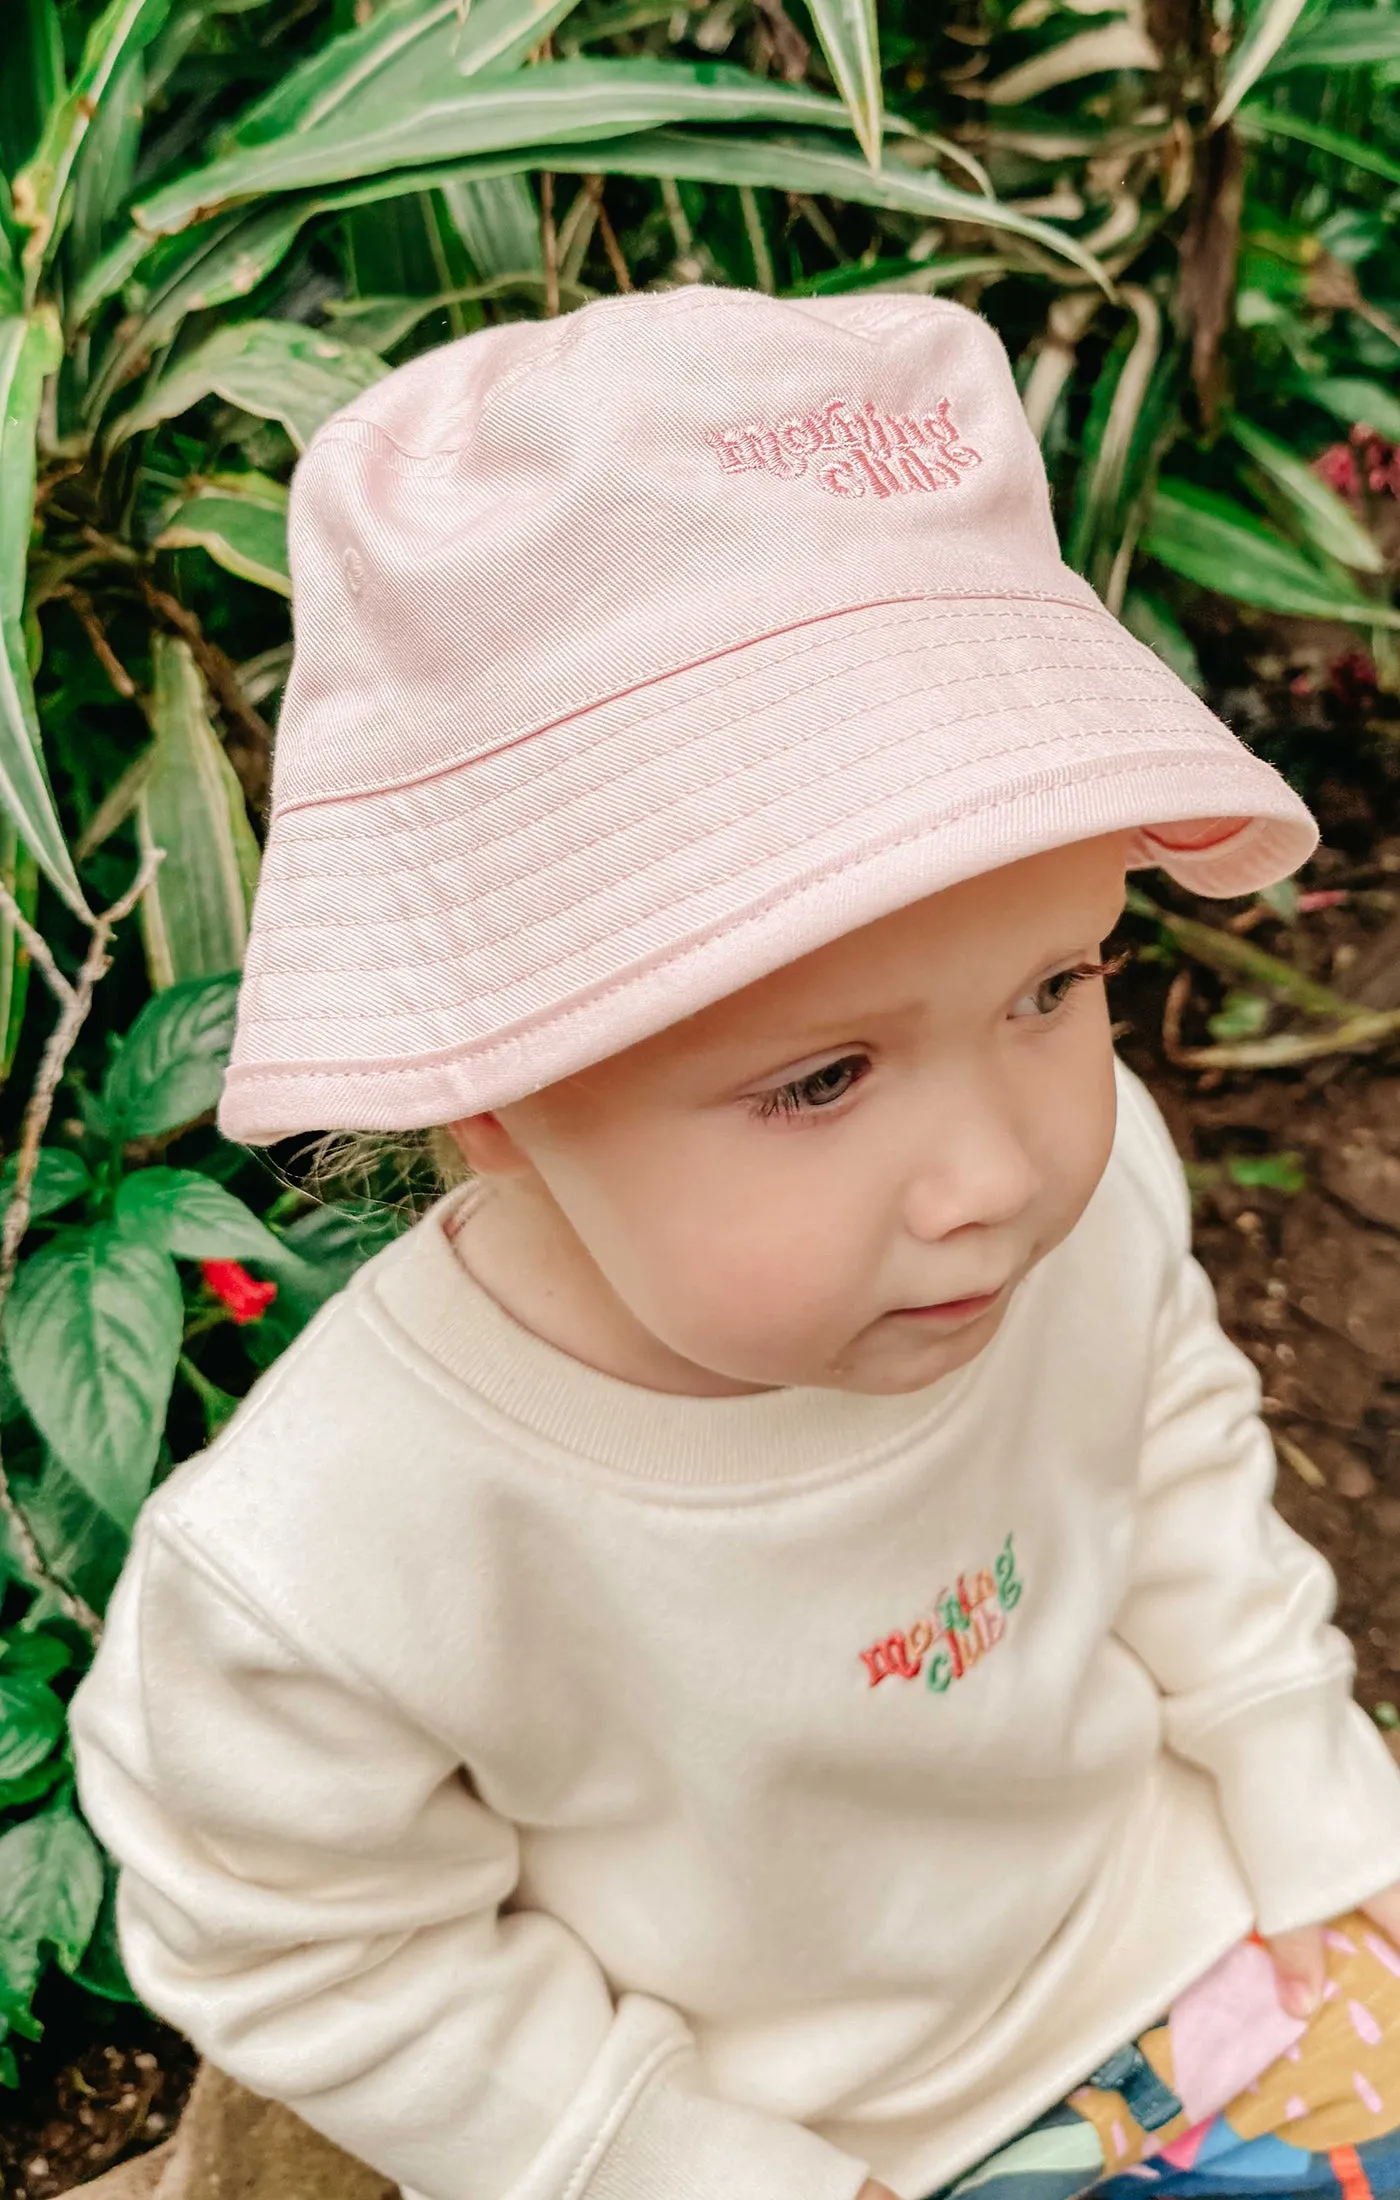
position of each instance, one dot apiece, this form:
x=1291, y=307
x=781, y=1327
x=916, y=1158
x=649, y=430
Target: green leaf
x=1358, y=404
x=21, y=875
x=123, y=28
x=93, y=1335
x=241, y=520
x=1222, y=546
x=850, y=38
x=1111, y=46
x=101, y=1970
x=804, y=163
x=194, y=913
x=32, y=80
x=1242, y=1016
x=29, y=350
x=1155, y=624
x=180, y=1211
x=1320, y=513
x=280, y=370
x=453, y=119
x=58, y=1178
x=50, y=1894
x=1267, y=28
x=398, y=55
x=1280, y=1172
x=170, y=1067
x=218, y=263
x=498, y=224
x=105, y=164
x=1269, y=122
x=31, y=1785
x=77, y=1537
x=31, y=1719
x=1342, y=38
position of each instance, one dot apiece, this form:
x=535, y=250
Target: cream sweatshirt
x=559, y=1791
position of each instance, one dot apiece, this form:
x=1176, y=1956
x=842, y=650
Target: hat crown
x=537, y=517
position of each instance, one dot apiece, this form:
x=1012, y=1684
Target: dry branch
x=74, y=998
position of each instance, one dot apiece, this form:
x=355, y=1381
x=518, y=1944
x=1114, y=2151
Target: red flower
x=246, y=1299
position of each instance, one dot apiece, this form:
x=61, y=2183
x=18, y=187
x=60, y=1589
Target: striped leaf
x=850, y=39
x=29, y=350
x=241, y=520
x=194, y=915
x=280, y=370
x=1221, y=545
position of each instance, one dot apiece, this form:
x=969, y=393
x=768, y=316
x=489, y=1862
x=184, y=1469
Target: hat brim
x=434, y=949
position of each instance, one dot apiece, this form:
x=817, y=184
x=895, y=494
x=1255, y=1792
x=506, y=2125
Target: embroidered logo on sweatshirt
x=857, y=450
x=965, y=1623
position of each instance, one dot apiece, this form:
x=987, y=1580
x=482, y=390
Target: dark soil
x=1309, y=1285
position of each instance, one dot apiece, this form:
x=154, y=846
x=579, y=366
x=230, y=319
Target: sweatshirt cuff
x=681, y=2143
x=1312, y=1802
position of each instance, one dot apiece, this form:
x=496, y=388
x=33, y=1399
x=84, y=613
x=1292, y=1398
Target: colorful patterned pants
x=1230, y=2097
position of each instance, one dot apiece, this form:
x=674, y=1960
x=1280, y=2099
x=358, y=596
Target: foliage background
x=219, y=219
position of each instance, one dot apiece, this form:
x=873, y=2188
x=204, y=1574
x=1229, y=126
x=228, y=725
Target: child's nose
x=978, y=1173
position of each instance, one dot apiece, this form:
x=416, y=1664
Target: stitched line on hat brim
x=656, y=679
x=852, y=759
x=339, y=926
x=801, y=651
x=777, y=899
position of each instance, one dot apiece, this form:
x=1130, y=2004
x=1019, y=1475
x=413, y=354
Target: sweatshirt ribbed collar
x=427, y=1294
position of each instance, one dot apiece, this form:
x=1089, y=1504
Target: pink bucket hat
x=639, y=653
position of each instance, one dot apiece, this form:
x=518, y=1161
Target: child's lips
x=951, y=1312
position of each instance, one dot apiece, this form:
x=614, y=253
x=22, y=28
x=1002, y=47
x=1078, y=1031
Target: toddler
x=748, y=1656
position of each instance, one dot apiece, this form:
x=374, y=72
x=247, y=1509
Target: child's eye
x=821, y=1089
x=1053, y=992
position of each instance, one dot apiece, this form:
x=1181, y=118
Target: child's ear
x=487, y=1146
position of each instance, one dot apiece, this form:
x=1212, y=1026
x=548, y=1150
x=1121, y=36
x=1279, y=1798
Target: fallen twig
x=1366, y=1029
x=74, y=997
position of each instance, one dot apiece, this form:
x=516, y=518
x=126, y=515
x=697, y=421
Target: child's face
x=800, y=1184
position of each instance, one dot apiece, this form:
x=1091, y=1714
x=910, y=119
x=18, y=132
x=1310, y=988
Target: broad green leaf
x=59, y=1178
x=31, y=1719
x=101, y=1970
x=1223, y=546
x=123, y=28
x=93, y=1334
x=1268, y=122
x=78, y=1538
x=786, y=163
x=1266, y=30
x=194, y=913
x=183, y=1212
x=1341, y=38
x=281, y=370
x=170, y=1067
x=850, y=38
x=21, y=875
x=50, y=1894
x=1358, y=404
x=398, y=55
x=241, y=520
x=31, y=1785
x=1320, y=514
x=1113, y=46
x=456, y=118
x=29, y=350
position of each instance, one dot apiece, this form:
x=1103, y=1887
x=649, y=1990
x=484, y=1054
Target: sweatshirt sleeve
x=1229, y=1610
x=311, y=1891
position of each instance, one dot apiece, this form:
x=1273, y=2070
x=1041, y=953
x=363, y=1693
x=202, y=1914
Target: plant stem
x=1233, y=956
x=75, y=999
